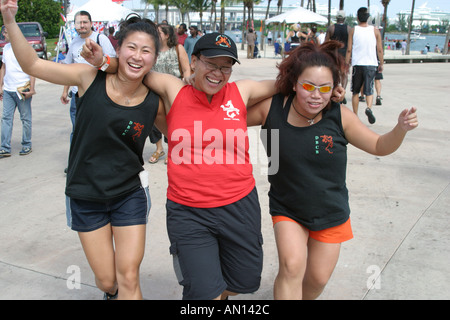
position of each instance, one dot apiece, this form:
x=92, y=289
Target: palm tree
x=385, y=5
x=184, y=7
x=408, y=42
x=200, y=6
x=329, y=13
x=213, y=16
x=155, y=4
x=447, y=38
x=247, y=5
x=223, y=3
x=222, y=17
x=263, y=26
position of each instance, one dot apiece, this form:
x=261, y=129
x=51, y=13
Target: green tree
x=200, y=6
x=46, y=12
x=385, y=5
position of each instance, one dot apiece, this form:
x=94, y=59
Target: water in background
x=419, y=44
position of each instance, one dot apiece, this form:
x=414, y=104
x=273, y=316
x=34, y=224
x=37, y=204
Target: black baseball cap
x=216, y=44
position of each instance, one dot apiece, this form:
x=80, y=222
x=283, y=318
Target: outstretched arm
x=26, y=56
x=257, y=114
x=365, y=139
x=253, y=91
x=165, y=85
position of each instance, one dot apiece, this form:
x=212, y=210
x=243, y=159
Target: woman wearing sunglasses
x=308, y=198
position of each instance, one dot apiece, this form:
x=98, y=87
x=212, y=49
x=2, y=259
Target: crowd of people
x=215, y=237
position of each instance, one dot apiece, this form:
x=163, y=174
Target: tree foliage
x=46, y=12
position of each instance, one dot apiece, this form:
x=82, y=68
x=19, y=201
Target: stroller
x=256, y=51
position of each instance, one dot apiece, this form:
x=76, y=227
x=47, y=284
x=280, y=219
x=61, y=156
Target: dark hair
x=362, y=14
x=82, y=13
x=310, y=55
x=168, y=30
x=137, y=24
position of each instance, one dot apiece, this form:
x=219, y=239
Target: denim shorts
x=216, y=249
x=132, y=209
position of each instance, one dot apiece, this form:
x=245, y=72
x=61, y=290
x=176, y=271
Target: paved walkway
x=400, y=204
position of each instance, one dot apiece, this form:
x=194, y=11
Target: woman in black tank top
x=114, y=114
x=308, y=198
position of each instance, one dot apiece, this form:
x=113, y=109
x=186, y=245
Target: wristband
x=105, y=64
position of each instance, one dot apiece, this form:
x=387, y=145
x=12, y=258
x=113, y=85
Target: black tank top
x=309, y=184
x=106, y=150
x=295, y=39
x=341, y=34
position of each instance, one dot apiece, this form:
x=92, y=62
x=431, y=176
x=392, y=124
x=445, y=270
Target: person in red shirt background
x=112, y=38
x=181, y=32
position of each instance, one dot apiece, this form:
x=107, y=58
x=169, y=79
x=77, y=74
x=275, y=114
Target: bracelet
x=105, y=63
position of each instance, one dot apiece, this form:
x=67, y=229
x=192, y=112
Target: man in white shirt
x=16, y=89
x=83, y=26
x=364, y=50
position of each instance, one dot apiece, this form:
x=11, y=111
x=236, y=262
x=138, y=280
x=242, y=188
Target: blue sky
x=351, y=6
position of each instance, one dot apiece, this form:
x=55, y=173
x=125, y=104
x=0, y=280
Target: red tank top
x=209, y=164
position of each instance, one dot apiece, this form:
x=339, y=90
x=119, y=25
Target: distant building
x=423, y=15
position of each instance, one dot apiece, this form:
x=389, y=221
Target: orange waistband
x=335, y=234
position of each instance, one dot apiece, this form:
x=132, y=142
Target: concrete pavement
x=400, y=204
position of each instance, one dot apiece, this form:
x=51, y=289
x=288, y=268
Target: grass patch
x=51, y=46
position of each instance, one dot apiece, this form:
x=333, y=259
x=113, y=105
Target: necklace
x=127, y=100
x=310, y=120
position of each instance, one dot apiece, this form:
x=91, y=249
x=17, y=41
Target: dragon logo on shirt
x=328, y=140
x=137, y=128
x=231, y=111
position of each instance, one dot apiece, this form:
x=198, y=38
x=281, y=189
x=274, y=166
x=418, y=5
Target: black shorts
x=379, y=76
x=129, y=210
x=216, y=249
x=363, y=75
x=155, y=135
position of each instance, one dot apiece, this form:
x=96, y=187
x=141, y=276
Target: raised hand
x=407, y=119
x=9, y=10
x=92, y=52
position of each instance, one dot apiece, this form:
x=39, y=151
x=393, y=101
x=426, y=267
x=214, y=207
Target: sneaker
x=108, y=296
x=378, y=101
x=370, y=116
x=25, y=151
x=4, y=154
x=362, y=99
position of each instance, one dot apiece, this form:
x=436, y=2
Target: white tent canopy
x=102, y=10
x=299, y=15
